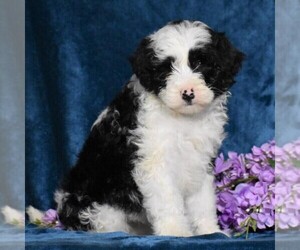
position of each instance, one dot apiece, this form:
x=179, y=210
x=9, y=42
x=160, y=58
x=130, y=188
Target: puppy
x=146, y=165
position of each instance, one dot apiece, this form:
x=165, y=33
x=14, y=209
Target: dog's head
x=186, y=64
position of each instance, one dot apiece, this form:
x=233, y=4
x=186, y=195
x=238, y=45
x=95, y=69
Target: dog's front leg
x=163, y=203
x=201, y=208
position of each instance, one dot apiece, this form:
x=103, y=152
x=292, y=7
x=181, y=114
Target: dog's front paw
x=209, y=228
x=225, y=233
x=211, y=231
x=172, y=228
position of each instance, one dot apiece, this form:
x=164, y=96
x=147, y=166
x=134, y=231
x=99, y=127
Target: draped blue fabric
x=39, y=239
x=77, y=60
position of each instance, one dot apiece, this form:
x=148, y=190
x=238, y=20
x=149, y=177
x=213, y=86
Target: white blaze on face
x=176, y=41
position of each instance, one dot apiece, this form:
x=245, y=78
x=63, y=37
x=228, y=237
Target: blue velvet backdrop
x=77, y=60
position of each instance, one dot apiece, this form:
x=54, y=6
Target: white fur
x=172, y=170
x=104, y=218
x=59, y=197
x=177, y=40
x=100, y=117
x=201, y=206
x=13, y=216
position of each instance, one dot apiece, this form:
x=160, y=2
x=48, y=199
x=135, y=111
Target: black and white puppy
x=148, y=157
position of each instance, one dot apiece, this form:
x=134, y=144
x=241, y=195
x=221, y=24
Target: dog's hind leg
x=77, y=212
x=104, y=218
x=69, y=207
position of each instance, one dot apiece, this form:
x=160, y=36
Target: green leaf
x=254, y=225
x=245, y=222
x=271, y=162
x=238, y=234
x=37, y=222
x=247, y=230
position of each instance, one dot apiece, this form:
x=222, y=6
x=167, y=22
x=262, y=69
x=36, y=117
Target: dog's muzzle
x=188, y=95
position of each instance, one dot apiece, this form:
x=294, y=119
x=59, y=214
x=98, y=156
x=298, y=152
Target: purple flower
x=246, y=184
x=257, y=151
x=221, y=165
x=260, y=189
x=281, y=193
x=247, y=193
x=226, y=201
x=267, y=175
x=287, y=220
x=223, y=182
x=256, y=168
x=263, y=220
x=269, y=149
x=241, y=216
x=51, y=217
x=257, y=155
x=226, y=204
x=243, y=194
x=59, y=225
x=290, y=175
x=237, y=169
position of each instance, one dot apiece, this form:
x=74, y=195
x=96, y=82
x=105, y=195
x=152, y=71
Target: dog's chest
x=179, y=146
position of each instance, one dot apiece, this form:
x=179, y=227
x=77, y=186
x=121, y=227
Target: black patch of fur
x=72, y=205
x=176, y=22
x=218, y=62
x=151, y=72
x=102, y=173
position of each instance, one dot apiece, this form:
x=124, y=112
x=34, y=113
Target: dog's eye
x=164, y=65
x=195, y=64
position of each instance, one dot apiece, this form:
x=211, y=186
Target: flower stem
x=238, y=181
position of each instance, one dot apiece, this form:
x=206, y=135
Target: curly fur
x=146, y=162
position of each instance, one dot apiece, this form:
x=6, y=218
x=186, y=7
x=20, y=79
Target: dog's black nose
x=188, y=96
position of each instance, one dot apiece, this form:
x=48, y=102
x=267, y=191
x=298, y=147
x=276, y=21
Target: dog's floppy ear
x=142, y=62
x=231, y=58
